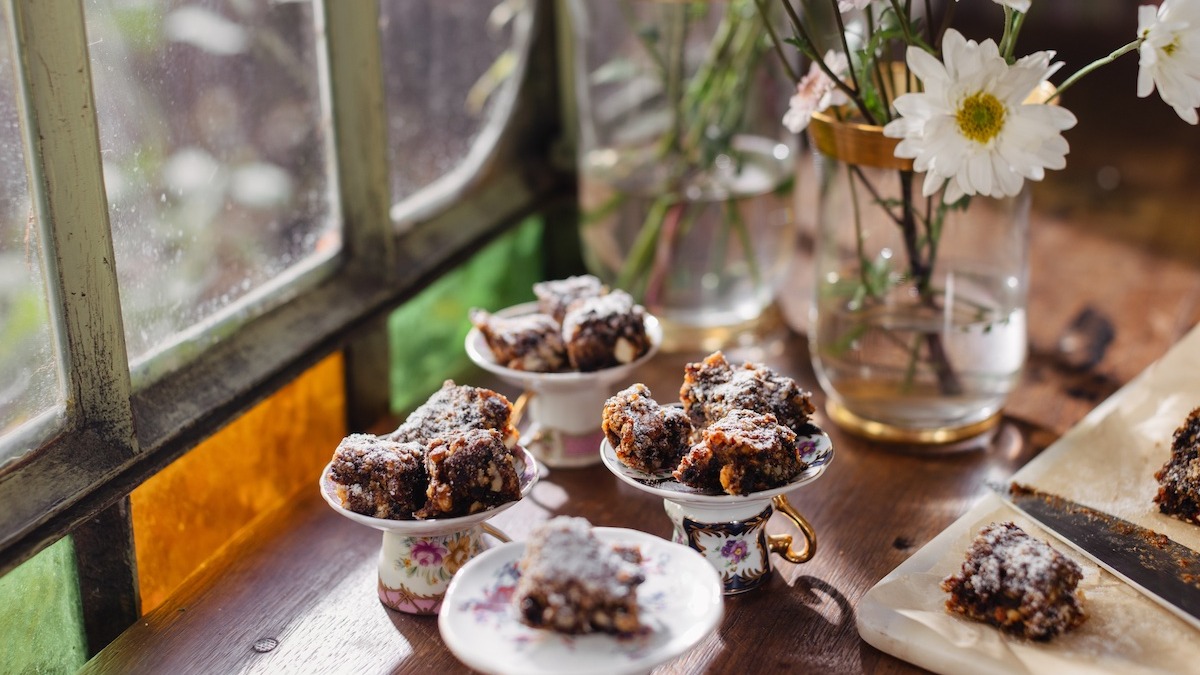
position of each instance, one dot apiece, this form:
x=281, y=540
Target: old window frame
x=113, y=435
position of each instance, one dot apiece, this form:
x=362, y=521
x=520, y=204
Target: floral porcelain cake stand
x=420, y=557
x=563, y=408
x=730, y=530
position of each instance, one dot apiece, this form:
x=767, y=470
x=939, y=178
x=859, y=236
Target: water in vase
x=700, y=249
x=916, y=364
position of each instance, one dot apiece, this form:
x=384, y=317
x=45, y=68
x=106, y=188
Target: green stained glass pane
x=427, y=333
x=41, y=626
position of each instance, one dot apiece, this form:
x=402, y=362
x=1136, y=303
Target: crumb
x=468, y=473
x=605, y=331
x=556, y=297
x=454, y=409
x=714, y=387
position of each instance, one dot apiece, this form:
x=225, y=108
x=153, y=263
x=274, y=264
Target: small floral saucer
x=527, y=473
x=815, y=449
x=680, y=604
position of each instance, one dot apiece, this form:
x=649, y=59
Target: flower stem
x=884, y=97
x=849, y=60
x=663, y=251
x=1006, y=39
x=858, y=231
x=948, y=382
x=852, y=94
x=902, y=19
x=1018, y=21
x=775, y=41
x=1079, y=75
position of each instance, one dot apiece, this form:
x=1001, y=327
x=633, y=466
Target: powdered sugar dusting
x=572, y=582
x=564, y=549
x=1017, y=583
x=714, y=387
x=555, y=297
x=1179, y=479
x=454, y=409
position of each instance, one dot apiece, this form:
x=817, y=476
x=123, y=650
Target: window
x=29, y=382
x=213, y=183
x=215, y=150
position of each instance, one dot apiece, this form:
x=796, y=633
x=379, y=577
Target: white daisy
x=816, y=92
x=1169, y=56
x=971, y=130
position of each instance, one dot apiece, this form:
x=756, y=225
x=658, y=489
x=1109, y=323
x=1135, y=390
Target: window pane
x=41, y=626
x=28, y=375
x=183, y=514
x=443, y=65
x=215, y=153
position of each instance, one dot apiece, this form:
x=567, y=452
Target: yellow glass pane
x=186, y=512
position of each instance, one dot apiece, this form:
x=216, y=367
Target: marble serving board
x=1107, y=461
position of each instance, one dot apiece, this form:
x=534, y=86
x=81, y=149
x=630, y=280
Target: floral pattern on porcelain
x=403, y=600
x=435, y=559
x=414, y=571
x=737, y=549
x=493, y=607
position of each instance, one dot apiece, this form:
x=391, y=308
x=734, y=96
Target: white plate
x=817, y=452
x=527, y=474
x=680, y=604
x=481, y=354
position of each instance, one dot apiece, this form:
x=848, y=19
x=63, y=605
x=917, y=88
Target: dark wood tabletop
x=1115, y=281
x=301, y=584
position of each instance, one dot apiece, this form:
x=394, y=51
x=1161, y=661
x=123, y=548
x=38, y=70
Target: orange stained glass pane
x=186, y=512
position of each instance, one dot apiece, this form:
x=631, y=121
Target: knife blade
x=1160, y=568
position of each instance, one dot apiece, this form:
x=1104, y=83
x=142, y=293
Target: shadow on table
x=791, y=623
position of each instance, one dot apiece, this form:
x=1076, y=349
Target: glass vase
x=918, y=329
x=685, y=169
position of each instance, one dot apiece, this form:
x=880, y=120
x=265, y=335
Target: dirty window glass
x=445, y=64
x=216, y=165
x=29, y=383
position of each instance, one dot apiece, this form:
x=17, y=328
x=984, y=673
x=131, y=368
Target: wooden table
x=303, y=579
x=301, y=584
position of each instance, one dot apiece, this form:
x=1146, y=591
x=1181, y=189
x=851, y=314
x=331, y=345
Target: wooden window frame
x=114, y=435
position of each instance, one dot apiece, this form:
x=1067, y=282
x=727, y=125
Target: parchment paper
x=1107, y=461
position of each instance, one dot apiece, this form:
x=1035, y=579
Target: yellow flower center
x=1170, y=49
x=980, y=117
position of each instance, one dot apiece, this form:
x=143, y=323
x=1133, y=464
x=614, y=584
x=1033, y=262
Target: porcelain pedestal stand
x=734, y=539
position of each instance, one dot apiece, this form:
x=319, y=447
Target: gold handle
x=782, y=543
x=518, y=408
x=495, y=532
